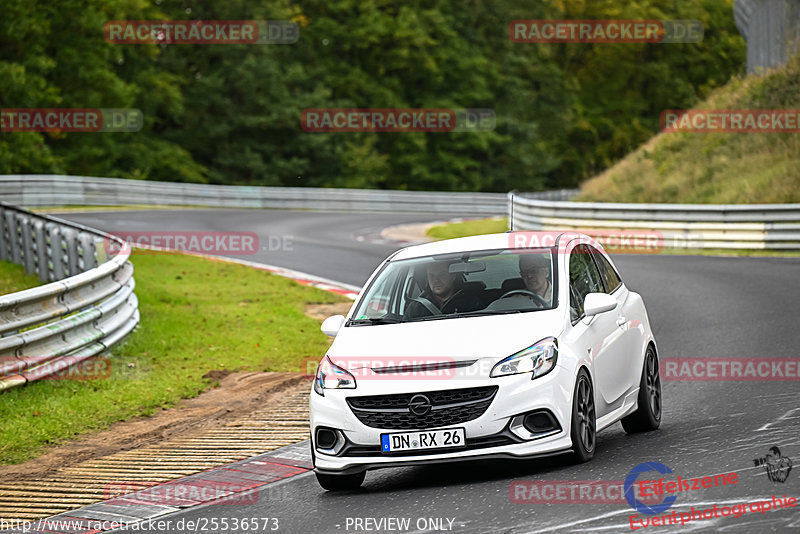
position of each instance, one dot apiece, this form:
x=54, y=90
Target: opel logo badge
x=419, y=405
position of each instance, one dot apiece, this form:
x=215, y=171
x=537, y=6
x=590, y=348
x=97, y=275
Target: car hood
x=446, y=340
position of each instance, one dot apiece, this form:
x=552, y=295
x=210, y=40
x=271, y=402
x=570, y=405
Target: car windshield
x=489, y=282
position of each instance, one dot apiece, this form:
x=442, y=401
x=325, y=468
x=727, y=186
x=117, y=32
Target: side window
x=379, y=301
x=386, y=295
x=583, y=279
x=607, y=273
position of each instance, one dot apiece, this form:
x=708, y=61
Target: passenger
x=535, y=272
x=444, y=294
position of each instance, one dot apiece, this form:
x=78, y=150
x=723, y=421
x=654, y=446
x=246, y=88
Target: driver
x=443, y=295
x=535, y=272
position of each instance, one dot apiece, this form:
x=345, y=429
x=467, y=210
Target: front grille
x=449, y=407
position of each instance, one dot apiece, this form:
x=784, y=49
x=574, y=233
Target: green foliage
x=231, y=113
x=717, y=168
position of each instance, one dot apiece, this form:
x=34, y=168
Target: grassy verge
x=467, y=228
x=13, y=278
x=197, y=316
x=492, y=226
x=715, y=168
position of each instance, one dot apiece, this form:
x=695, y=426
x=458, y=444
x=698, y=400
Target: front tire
x=583, y=425
x=647, y=416
x=341, y=482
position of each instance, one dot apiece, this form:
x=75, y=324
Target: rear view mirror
x=596, y=303
x=468, y=267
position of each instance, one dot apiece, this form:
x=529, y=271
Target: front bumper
x=488, y=436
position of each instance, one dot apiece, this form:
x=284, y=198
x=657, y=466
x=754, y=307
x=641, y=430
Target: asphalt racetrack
x=699, y=307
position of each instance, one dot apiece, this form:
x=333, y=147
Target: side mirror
x=332, y=325
x=596, y=303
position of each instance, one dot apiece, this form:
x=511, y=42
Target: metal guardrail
x=771, y=29
x=56, y=190
x=739, y=226
x=88, y=305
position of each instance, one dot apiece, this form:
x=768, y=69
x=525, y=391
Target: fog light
x=539, y=422
x=533, y=425
x=329, y=440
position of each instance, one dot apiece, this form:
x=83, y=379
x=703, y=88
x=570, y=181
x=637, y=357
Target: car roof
x=507, y=240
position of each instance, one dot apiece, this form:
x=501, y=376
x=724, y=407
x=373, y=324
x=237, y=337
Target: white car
x=508, y=345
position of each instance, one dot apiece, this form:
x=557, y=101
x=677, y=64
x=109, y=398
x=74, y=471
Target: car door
x=627, y=320
x=599, y=334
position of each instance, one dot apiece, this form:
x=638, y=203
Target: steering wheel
x=539, y=300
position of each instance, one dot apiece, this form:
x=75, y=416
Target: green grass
x=467, y=228
x=197, y=315
x=13, y=278
x=715, y=168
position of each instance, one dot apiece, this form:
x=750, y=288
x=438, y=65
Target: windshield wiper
x=481, y=313
x=461, y=315
x=376, y=320
x=457, y=315
x=440, y=317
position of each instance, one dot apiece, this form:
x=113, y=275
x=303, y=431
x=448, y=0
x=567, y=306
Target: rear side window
x=583, y=279
x=607, y=273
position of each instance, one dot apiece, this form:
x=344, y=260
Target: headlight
x=538, y=359
x=331, y=376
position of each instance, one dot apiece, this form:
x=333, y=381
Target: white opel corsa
x=509, y=345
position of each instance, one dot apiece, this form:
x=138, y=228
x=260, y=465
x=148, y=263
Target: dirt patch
x=321, y=312
x=216, y=375
x=238, y=394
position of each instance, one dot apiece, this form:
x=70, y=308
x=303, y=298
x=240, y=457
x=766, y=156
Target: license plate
x=424, y=439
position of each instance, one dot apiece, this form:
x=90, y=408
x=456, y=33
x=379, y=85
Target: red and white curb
x=305, y=279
